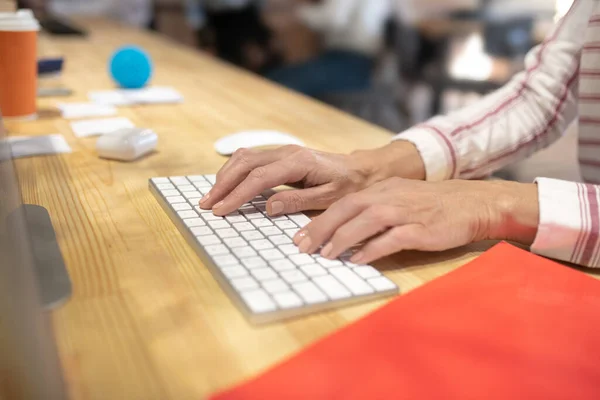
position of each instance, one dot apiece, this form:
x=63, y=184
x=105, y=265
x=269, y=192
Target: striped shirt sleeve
x=569, y=228
x=528, y=114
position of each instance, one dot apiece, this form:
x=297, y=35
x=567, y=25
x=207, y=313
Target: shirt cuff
x=569, y=222
x=437, y=151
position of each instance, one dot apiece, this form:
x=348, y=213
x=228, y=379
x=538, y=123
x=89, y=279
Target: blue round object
x=131, y=67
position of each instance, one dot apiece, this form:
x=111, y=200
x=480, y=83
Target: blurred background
x=394, y=63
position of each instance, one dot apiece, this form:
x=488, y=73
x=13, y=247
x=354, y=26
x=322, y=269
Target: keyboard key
x=247, y=208
x=352, y=281
x=275, y=285
x=261, y=207
x=165, y=186
x=202, y=211
x=208, y=240
x=202, y=185
x=235, y=242
x=280, y=240
x=179, y=180
x=291, y=232
x=236, y=271
x=244, y=252
x=329, y=263
x=382, y=284
x=261, y=222
x=366, y=272
x=243, y=226
x=300, y=219
x=254, y=262
x=196, y=178
x=220, y=224
x=258, y=198
x=261, y=244
x=224, y=261
x=277, y=219
x=181, y=207
x=192, y=195
x=186, y=188
x=252, y=235
x=211, y=178
x=286, y=225
x=309, y=292
x=201, y=231
x=270, y=230
x=293, y=276
x=216, y=250
x=226, y=233
x=289, y=249
x=287, y=300
x=272, y=254
x=301, y=259
x=194, y=222
x=282, y=265
x=332, y=287
x=187, y=214
x=254, y=215
x=258, y=301
x=209, y=216
x=244, y=283
x=175, y=199
x=234, y=219
x=313, y=270
x=263, y=274
x=171, y=193
x=160, y=180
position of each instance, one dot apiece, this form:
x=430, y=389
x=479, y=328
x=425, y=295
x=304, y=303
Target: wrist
x=515, y=212
x=397, y=159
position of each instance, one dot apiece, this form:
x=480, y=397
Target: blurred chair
x=380, y=104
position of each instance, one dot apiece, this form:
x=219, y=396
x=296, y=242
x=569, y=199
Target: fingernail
x=299, y=237
x=326, y=252
x=218, y=205
x=358, y=258
x=305, y=245
x=276, y=208
x=205, y=198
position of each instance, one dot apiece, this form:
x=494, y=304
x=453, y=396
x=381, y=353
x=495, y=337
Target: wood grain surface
x=147, y=320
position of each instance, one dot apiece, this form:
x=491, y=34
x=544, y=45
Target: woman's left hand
x=399, y=214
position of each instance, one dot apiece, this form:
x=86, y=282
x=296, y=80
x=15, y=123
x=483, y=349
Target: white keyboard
x=253, y=257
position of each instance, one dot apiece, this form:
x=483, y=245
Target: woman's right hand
x=323, y=178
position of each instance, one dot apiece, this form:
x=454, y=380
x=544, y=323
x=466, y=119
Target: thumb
x=293, y=201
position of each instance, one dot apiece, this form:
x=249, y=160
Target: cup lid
x=22, y=20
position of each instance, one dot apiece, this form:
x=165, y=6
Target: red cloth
x=509, y=325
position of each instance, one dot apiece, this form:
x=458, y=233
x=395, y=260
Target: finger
x=320, y=230
x=293, y=201
x=273, y=155
x=370, y=222
x=406, y=237
x=240, y=165
x=259, y=179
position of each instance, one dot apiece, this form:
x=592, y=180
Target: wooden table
x=147, y=320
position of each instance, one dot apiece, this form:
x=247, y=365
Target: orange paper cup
x=18, y=64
